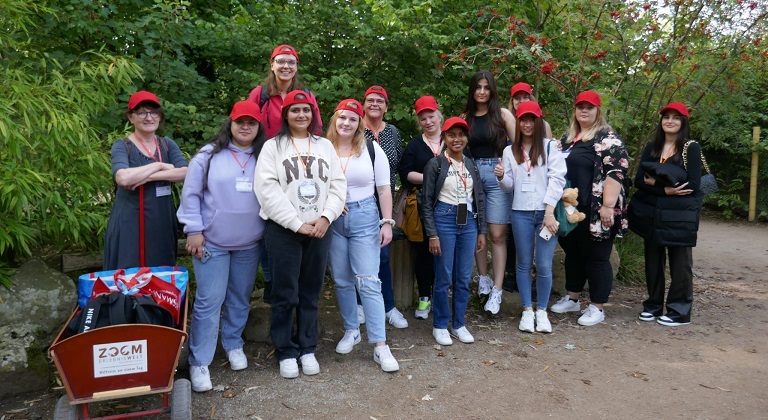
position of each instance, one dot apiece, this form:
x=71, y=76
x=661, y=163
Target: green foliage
x=632, y=256
x=54, y=180
x=85, y=58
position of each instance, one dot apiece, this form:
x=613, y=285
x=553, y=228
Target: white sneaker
x=237, y=359
x=442, y=337
x=383, y=356
x=463, y=335
x=565, y=304
x=289, y=369
x=309, y=364
x=360, y=315
x=494, y=301
x=526, y=321
x=422, y=311
x=347, y=343
x=396, y=319
x=591, y=316
x=542, y=321
x=200, y=378
x=484, y=285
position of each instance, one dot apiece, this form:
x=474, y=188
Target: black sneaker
x=669, y=322
x=646, y=317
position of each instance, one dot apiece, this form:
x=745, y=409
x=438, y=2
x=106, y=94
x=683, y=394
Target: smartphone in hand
x=205, y=255
x=545, y=233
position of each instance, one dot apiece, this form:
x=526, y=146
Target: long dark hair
x=496, y=127
x=660, y=139
x=221, y=140
x=285, y=130
x=537, y=146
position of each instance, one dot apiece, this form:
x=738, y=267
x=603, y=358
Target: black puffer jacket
x=668, y=220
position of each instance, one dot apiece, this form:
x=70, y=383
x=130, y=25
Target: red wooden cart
x=122, y=361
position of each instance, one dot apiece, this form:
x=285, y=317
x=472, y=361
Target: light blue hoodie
x=227, y=218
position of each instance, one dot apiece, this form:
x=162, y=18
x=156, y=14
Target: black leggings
x=588, y=260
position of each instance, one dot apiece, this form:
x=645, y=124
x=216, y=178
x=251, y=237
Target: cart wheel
x=64, y=411
x=181, y=400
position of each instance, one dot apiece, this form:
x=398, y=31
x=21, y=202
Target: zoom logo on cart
x=123, y=358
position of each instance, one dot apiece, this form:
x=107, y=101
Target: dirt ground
x=713, y=368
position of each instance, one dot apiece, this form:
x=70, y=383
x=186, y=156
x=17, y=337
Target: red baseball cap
x=529, y=107
x=676, y=106
x=245, y=109
x=291, y=98
x=376, y=89
x=426, y=103
x=520, y=87
x=140, y=97
x=590, y=97
x=350, y=105
x=284, y=49
x=453, y=121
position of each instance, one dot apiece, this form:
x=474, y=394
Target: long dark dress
x=121, y=244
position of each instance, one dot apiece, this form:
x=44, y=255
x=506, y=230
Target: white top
x=454, y=185
x=293, y=191
x=542, y=186
x=363, y=176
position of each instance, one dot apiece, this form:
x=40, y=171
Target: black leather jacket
x=434, y=176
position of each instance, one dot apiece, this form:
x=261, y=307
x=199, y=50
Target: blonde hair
x=439, y=117
x=574, y=128
x=358, y=139
x=511, y=105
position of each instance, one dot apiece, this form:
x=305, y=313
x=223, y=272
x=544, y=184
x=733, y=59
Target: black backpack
x=117, y=309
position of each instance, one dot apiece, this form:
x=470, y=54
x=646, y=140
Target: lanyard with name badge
x=242, y=183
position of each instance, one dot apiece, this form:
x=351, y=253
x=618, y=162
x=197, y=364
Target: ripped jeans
x=354, y=259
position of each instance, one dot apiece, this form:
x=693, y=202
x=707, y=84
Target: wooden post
x=753, y=178
x=401, y=262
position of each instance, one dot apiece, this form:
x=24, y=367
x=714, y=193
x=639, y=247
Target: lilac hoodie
x=227, y=218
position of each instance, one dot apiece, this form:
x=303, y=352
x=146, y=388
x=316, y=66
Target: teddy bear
x=570, y=202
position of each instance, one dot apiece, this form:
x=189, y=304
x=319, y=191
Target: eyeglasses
x=289, y=63
x=372, y=101
x=249, y=123
x=145, y=114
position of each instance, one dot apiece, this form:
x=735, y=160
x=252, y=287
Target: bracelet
x=608, y=207
x=549, y=215
x=390, y=221
x=435, y=238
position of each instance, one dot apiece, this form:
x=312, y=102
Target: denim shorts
x=498, y=203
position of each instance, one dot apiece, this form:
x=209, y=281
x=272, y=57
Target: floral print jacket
x=612, y=162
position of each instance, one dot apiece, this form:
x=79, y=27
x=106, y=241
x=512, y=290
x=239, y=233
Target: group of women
x=269, y=188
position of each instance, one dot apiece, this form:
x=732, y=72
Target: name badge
x=162, y=190
x=243, y=184
x=527, y=186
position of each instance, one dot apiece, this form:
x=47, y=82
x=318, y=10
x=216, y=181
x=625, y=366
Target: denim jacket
x=434, y=177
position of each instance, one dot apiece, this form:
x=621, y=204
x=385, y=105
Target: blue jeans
x=225, y=279
x=354, y=259
x=497, y=201
x=526, y=226
x=454, y=266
